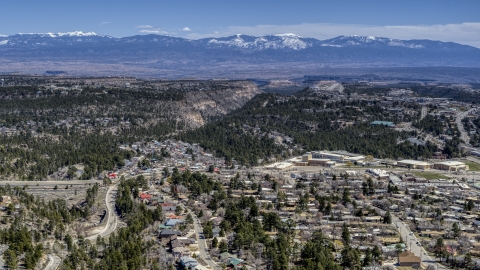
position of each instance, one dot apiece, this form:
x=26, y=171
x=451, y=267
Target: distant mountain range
x=172, y=54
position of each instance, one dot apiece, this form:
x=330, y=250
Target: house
x=156, y=200
x=179, y=252
x=167, y=233
x=235, y=262
x=409, y=259
x=174, y=221
x=188, y=262
x=167, y=207
x=7, y=200
x=145, y=196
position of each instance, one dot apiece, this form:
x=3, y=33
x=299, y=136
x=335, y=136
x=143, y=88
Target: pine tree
x=10, y=258
x=456, y=230
x=368, y=258
x=346, y=234
x=387, y=218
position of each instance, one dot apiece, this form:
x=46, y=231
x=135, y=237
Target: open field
x=430, y=175
x=473, y=166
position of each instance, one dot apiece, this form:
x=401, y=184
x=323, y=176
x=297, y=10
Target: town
x=372, y=175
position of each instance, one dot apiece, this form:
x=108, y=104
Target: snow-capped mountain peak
x=282, y=41
x=77, y=34
x=288, y=35
x=62, y=34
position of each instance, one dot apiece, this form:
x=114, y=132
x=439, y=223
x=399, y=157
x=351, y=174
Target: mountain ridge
x=222, y=56
x=349, y=40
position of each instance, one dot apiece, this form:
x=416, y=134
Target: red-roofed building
x=145, y=196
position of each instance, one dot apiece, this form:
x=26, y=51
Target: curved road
x=112, y=218
x=53, y=262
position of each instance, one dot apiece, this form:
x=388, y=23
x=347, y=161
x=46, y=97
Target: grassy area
x=430, y=175
x=361, y=167
x=473, y=166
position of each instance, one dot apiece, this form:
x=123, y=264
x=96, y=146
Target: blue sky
x=457, y=21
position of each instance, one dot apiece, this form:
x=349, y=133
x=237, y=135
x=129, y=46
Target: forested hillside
x=46, y=128
x=312, y=122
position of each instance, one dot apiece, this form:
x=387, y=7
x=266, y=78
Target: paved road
x=33, y=184
x=53, y=262
x=202, y=244
x=411, y=241
x=111, y=216
x=458, y=121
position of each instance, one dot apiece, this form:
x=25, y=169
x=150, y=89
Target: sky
x=455, y=21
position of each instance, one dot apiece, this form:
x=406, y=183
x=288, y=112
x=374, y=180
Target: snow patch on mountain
x=63, y=34
x=283, y=41
x=399, y=43
x=288, y=35
x=3, y=42
x=77, y=34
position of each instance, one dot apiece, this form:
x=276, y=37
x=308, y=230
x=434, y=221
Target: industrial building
x=453, y=166
x=414, y=164
x=328, y=158
x=338, y=156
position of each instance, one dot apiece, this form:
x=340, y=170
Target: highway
x=53, y=262
x=458, y=121
x=111, y=217
x=33, y=184
x=411, y=240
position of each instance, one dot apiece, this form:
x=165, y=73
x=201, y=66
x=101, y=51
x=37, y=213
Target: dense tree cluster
x=311, y=122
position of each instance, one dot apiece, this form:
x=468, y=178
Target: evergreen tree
x=10, y=259
x=376, y=253
x=387, y=218
x=440, y=250
x=223, y=246
x=367, y=261
x=346, y=234
x=456, y=230
x=214, y=242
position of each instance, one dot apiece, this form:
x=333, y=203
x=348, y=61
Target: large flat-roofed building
x=382, y=123
x=321, y=162
x=339, y=156
x=414, y=164
x=327, y=158
x=450, y=166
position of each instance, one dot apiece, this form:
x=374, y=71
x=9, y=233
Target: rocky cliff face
x=209, y=100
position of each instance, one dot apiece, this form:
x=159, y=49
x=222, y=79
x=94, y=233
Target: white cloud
x=464, y=33
x=216, y=32
x=186, y=29
x=149, y=29
x=144, y=26
x=103, y=23
x=153, y=31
